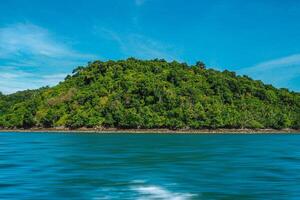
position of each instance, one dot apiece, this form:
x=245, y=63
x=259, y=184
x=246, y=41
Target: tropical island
x=154, y=94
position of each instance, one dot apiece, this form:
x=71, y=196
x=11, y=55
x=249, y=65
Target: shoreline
x=154, y=131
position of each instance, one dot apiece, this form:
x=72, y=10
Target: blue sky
x=42, y=41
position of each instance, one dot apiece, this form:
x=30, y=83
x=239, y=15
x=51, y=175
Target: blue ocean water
x=149, y=166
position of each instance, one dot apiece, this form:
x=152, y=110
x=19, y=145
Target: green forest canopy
x=155, y=93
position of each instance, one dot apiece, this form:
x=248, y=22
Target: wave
x=139, y=190
x=157, y=192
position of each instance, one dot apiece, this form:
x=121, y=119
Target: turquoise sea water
x=149, y=166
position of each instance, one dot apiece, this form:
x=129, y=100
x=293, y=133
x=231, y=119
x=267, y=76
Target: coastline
x=155, y=131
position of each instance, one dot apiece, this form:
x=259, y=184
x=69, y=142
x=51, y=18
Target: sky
x=42, y=41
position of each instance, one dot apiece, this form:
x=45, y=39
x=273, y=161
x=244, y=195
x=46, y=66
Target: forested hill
x=152, y=94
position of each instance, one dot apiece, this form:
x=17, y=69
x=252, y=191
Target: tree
x=200, y=64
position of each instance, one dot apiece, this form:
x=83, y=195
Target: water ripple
x=148, y=166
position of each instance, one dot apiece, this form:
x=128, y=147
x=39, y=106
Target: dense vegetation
x=152, y=94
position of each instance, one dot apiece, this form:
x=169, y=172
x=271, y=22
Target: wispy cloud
x=280, y=72
x=27, y=39
x=31, y=51
x=141, y=46
x=13, y=80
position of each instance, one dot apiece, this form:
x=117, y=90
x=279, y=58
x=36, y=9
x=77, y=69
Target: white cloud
x=140, y=46
x=29, y=39
x=280, y=72
x=52, y=79
x=13, y=80
x=30, y=52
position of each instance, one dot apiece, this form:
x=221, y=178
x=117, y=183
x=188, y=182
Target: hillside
x=152, y=94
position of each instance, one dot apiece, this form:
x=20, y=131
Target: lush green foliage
x=152, y=94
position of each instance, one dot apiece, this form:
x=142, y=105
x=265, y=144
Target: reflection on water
x=149, y=166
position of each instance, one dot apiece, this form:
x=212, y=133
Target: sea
x=96, y=166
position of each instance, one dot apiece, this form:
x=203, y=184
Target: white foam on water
x=157, y=192
x=140, y=190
